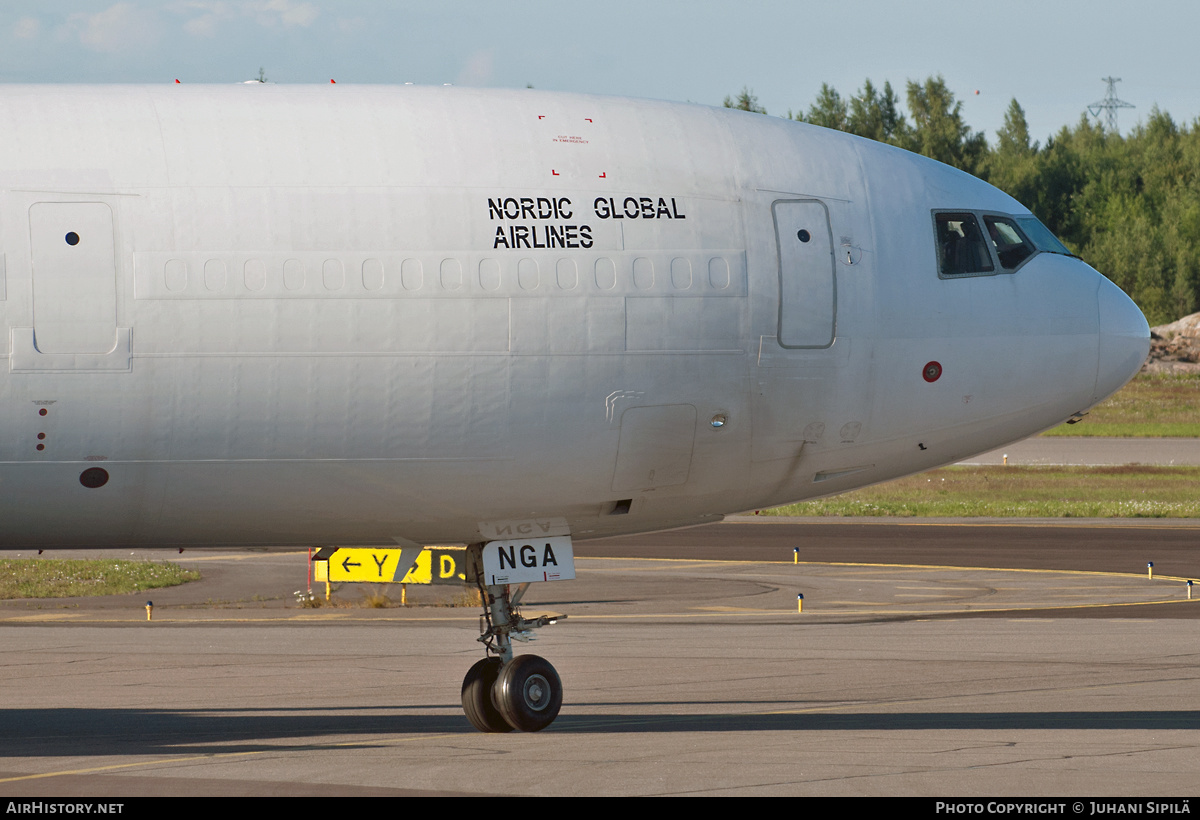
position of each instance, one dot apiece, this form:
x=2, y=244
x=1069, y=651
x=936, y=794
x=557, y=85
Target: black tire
x=529, y=693
x=477, y=697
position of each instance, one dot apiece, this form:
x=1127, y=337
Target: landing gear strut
x=501, y=693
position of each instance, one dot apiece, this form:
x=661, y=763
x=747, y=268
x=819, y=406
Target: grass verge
x=1022, y=492
x=65, y=578
x=1152, y=405
x=375, y=596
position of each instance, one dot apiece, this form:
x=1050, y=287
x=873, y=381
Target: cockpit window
x=961, y=247
x=1040, y=235
x=1011, y=247
x=965, y=250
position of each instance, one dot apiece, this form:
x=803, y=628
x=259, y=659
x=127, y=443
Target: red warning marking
x=333, y=81
x=603, y=175
x=554, y=172
x=177, y=81
x=541, y=116
x=589, y=119
x=932, y=372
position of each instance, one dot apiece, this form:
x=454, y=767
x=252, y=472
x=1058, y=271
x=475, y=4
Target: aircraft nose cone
x=1124, y=340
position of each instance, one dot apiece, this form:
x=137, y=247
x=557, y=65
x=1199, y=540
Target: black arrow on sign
x=346, y=564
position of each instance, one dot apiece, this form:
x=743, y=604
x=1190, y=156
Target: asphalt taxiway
x=1008, y=658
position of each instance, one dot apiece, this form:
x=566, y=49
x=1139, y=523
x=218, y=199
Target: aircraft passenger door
x=74, y=277
x=807, y=288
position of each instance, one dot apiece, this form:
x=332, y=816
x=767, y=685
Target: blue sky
x=1050, y=55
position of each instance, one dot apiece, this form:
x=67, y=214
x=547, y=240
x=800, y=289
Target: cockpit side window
x=1011, y=246
x=1040, y=236
x=962, y=250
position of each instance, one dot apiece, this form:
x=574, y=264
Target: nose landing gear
x=501, y=692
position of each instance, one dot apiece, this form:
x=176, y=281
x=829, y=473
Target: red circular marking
x=932, y=372
x=43, y=411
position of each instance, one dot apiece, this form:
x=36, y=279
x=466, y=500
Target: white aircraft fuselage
x=276, y=316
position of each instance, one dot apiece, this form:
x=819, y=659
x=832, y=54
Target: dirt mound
x=1175, y=348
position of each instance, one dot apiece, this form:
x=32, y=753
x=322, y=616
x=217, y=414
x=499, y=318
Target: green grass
x=59, y=578
x=1153, y=404
x=1022, y=492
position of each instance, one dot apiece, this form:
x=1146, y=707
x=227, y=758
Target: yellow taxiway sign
x=437, y=565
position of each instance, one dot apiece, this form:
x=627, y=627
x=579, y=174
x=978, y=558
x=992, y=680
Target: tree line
x=1129, y=205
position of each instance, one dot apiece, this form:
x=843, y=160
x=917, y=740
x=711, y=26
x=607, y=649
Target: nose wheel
x=477, y=697
x=526, y=694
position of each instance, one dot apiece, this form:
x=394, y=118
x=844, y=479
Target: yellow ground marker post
x=320, y=570
x=799, y=601
x=1150, y=570
x=149, y=610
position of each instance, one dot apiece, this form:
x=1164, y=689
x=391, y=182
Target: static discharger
x=799, y=601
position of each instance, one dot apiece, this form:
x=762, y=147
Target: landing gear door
x=807, y=287
x=524, y=562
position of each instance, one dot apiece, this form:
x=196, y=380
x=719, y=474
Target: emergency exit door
x=74, y=277
x=807, y=287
